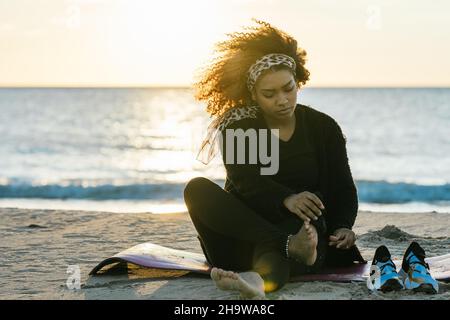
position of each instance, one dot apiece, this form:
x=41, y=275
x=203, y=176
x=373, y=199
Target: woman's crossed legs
x=234, y=237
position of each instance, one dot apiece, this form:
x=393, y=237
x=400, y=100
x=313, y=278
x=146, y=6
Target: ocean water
x=133, y=150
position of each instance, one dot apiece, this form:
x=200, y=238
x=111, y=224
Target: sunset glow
x=148, y=43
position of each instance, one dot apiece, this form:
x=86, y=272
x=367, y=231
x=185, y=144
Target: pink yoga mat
x=149, y=255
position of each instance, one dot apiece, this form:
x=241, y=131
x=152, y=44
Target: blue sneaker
x=415, y=272
x=383, y=274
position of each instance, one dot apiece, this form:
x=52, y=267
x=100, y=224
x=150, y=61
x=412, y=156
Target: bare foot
x=249, y=284
x=303, y=245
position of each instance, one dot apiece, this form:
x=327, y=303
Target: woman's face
x=276, y=93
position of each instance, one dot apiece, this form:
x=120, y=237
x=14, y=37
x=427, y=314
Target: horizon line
x=190, y=87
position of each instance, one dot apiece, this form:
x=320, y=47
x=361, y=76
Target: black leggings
x=234, y=237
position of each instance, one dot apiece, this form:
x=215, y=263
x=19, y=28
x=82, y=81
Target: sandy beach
x=38, y=246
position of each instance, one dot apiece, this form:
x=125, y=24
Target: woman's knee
x=194, y=186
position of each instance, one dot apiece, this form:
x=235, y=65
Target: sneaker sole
x=425, y=288
x=391, y=285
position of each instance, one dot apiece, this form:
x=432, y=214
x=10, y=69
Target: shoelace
x=390, y=264
x=419, y=261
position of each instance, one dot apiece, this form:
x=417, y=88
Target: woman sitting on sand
x=267, y=228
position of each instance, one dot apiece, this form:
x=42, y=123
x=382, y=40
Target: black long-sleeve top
x=313, y=159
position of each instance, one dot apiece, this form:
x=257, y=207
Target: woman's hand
x=342, y=238
x=305, y=205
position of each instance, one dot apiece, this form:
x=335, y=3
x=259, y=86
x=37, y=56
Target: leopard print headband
x=265, y=63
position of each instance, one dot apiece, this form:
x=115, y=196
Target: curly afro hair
x=222, y=83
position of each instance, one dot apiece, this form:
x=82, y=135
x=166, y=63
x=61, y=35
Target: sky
x=350, y=43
